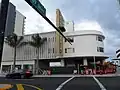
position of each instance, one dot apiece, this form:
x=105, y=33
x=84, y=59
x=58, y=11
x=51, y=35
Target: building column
x=62, y=62
x=34, y=67
x=22, y=66
x=78, y=66
x=1, y=69
x=85, y=62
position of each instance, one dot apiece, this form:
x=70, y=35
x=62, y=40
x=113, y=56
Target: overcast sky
x=103, y=15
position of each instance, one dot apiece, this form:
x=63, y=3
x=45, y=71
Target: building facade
x=26, y=55
x=87, y=47
x=19, y=24
x=14, y=22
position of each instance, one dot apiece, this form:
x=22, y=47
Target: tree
x=36, y=42
x=14, y=41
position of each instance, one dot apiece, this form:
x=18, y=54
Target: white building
x=87, y=47
x=19, y=24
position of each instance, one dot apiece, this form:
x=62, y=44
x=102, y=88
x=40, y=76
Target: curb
x=39, y=76
x=8, y=86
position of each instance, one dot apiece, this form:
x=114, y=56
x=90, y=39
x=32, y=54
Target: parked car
x=20, y=74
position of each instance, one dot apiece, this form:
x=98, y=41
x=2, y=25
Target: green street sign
x=35, y=4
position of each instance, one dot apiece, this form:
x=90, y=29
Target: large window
x=99, y=38
x=65, y=50
x=100, y=49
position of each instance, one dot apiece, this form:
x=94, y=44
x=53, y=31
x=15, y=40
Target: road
x=64, y=83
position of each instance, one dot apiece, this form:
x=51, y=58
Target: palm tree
x=36, y=42
x=14, y=41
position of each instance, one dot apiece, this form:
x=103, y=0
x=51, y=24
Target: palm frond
x=32, y=43
x=11, y=40
x=36, y=37
x=43, y=40
x=19, y=40
x=22, y=44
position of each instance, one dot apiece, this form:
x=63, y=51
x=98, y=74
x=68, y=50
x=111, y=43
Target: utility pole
x=3, y=17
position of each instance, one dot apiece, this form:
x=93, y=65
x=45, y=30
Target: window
x=97, y=49
x=53, y=39
x=99, y=38
x=100, y=49
x=69, y=50
x=53, y=50
x=49, y=39
x=117, y=61
x=65, y=50
x=49, y=50
x=73, y=50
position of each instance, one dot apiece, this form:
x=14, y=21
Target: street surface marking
x=100, y=84
x=20, y=87
x=20, y=79
x=32, y=86
x=60, y=87
x=24, y=79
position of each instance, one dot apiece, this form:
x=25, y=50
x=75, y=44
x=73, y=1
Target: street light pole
x=3, y=18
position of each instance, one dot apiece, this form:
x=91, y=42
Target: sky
x=102, y=15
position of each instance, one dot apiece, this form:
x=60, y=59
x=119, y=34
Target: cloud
x=88, y=25
x=21, y=5
x=36, y=24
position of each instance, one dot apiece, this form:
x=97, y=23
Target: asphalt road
x=60, y=83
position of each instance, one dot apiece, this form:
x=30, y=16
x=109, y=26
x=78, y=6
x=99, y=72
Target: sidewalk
x=104, y=75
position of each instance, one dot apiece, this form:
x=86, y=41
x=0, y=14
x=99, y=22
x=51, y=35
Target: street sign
x=35, y=4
